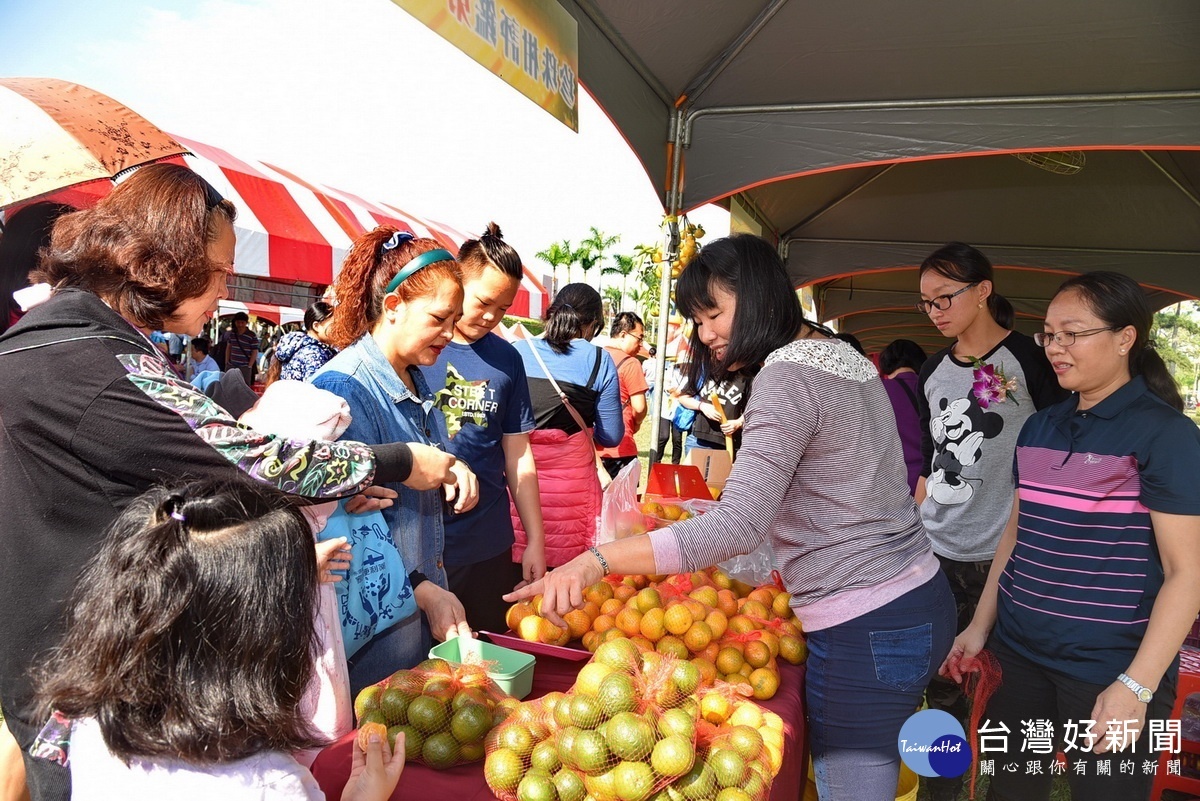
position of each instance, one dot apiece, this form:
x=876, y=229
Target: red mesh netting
x=979, y=675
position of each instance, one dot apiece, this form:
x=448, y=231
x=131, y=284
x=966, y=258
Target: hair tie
x=565, y=305
x=425, y=259
x=176, y=515
x=1152, y=344
x=398, y=238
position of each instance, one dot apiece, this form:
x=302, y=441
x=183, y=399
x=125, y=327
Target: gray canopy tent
x=864, y=134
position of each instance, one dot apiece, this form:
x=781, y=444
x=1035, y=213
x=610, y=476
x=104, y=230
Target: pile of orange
x=726, y=628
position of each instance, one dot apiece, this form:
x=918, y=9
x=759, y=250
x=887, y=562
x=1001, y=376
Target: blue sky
x=351, y=93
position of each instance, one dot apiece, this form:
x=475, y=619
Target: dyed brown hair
x=144, y=248
x=366, y=272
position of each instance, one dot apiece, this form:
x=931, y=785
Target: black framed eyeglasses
x=941, y=302
x=1065, y=339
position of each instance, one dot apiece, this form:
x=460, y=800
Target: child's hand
x=332, y=555
x=372, y=499
x=374, y=775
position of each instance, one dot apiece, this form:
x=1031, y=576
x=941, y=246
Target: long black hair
x=190, y=634
x=901, y=353
x=1119, y=301
x=576, y=313
x=965, y=264
x=768, y=312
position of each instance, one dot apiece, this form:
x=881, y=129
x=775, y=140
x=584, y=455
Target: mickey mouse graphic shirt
x=969, y=439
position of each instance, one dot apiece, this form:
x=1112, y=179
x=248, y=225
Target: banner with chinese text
x=532, y=45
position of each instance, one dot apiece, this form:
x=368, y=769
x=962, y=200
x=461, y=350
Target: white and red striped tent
x=291, y=230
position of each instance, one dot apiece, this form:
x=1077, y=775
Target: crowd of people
x=1034, y=496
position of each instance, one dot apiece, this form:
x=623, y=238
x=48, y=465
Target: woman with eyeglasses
x=973, y=396
x=398, y=300
x=1096, y=581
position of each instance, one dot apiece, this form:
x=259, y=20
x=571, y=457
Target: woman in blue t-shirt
x=1096, y=580
x=479, y=385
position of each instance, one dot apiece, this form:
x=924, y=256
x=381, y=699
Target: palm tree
x=557, y=255
x=615, y=298
x=592, y=249
x=625, y=265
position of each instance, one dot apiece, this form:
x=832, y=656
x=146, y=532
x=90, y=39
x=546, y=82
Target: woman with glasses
x=398, y=300
x=1097, y=578
x=973, y=397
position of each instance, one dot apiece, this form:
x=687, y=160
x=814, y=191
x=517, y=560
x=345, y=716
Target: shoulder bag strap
x=578, y=418
x=912, y=396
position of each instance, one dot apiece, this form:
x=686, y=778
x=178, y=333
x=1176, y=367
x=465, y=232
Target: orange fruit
x=678, y=619
x=612, y=634
x=652, y=508
x=652, y=625
x=755, y=609
x=529, y=628
x=367, y=729
x=741, y=588
x=739, y=680
x=670, y=645
x=628, y=619
x=516, y=613
x=765, y=683
x=792, y=649
x=603, y=623
x=757, y=653
x=706, y=595
x=697, y=637
x=671, y=512
x=715, y=708
x=591, y=640
x=740, y=624
x=746, y=669
x=590, y=676
x=729, y=660
x=623, y=592
x=762, y=594
x=699, y=611
x=720, y=578
x=772, y=641
x=591, y=609
x=710, y=651
x=612, y=606
x=717, y=623
x=648, y=599
x=781, y=606
x=577, y=622
x=642, y=643
x=708, y=671
x=727, y=602
x=503, y=770
x=598, y=593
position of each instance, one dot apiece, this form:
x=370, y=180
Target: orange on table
x=792, y=649
x=653, y=624
x=516, y=613
x=698, y=636
x=699, y=611
x=623, y=592
x=612, y=606
x=727, y=602
x=603, y=623
x=591, y=609
x=599, y=592
x=765, y=683
x=670, y=645
x=754, y=609
x=729, y=660
x=577, y=622
x=772, y=641
x=782, y=605
x=740, y=624
x=717, y=623
x=706, y=595
x=647, y=599
x=678, y=619
x=708, y=671
x=757, y=653
x=628, y=620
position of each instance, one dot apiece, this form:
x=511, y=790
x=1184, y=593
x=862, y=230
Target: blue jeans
x=865, y=678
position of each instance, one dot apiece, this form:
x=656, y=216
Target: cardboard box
x=714, y=465
x=676, y=481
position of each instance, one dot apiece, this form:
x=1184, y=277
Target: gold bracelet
x=600, y=558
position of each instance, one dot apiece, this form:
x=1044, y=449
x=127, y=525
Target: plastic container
x=511, y=670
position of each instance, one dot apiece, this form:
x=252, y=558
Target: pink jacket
x=570, y=492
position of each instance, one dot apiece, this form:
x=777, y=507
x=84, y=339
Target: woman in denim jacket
x=398, y=298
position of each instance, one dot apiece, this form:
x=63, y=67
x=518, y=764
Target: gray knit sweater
x=821, y=473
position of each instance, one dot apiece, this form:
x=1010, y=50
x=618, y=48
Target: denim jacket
x=384, y=410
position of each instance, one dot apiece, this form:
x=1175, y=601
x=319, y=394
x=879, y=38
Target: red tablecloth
x=465, y=782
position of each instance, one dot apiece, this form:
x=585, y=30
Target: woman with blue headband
x=398, y=299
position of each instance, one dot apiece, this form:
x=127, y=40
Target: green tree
x=623, y=266
x=592, y=249
x=1177, y=338
x=559, y=254
x=615, y=298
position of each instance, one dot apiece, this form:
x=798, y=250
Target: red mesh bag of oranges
x=444, y=710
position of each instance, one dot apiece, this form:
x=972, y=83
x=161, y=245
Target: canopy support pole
x=1189, y=194
x=674, y=200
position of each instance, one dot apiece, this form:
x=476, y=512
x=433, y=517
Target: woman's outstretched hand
x=562, y=588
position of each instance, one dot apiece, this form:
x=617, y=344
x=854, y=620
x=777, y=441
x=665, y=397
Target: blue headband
x=423, y=260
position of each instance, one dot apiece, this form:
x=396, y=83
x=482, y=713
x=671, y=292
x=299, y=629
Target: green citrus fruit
x=677, y=722
x=617, y=693
x=471, y=723
x=746, y=741
x=545, y=756
x=589, y=752
x=471, y=752
x=440, y=750
x=734, y=794
x=537, y=786
x=393, y=703
x=569, y=785
x=602, y=785
x=503, y=770
x=633, y=781
x=430, y=666
x=404, y=680
x=503, y=709
x=685, y=677
x=440, y=687
x=516, y=737
x=629, y=736
x=697, y=783
x=429, y=715
x=728, y=766
x=584, y=711
x=672, y=756
x=619, y=654
x=471, y=695
x=373, y=716
x=367, y=701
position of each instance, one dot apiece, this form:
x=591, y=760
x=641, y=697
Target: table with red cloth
x=465, y=782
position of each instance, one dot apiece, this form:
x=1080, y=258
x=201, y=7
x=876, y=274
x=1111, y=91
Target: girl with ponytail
x=398, y=298
x=1097, y=579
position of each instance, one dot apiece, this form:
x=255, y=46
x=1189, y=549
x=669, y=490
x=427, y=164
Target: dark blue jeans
x=865, y=678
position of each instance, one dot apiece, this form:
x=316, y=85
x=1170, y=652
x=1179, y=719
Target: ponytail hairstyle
x=768, y=312
x=319, y=312
x=489, y=250
x=1119, y=301
x=576, y=313
x=190, y=633
x=374, y=260
x=965, y=264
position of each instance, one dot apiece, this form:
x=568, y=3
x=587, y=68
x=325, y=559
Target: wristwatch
x=1143, y=694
